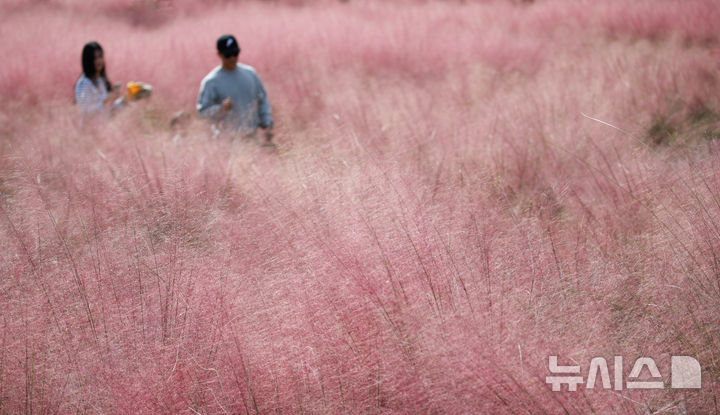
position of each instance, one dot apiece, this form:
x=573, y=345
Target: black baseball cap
x=227, y=45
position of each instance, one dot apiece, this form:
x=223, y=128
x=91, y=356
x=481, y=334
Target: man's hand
x=268, y=138
x=226, y=105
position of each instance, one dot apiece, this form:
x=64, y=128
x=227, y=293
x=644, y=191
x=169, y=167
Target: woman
x=93, y=85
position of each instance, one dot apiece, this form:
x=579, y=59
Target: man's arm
x=207, y=105
x=264, y=110
x=265, y=113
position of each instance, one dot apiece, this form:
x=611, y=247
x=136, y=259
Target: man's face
x=229, y=62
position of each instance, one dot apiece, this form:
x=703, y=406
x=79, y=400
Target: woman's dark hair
x=88, y=63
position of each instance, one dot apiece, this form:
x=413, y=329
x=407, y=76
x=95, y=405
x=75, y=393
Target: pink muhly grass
x=460, y=190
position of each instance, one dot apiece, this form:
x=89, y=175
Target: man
x=232, y=96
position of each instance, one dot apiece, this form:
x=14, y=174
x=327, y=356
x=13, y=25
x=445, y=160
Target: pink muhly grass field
x=461, y=189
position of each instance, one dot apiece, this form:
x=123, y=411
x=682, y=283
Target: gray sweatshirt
x=251, y=108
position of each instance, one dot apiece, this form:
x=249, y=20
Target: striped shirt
x=89, y=96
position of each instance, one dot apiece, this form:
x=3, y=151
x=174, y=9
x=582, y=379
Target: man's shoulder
x=249, y=73
x=245, y=68
x=212, y=74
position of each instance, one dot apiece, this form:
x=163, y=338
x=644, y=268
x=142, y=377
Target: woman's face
x=99, y=62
